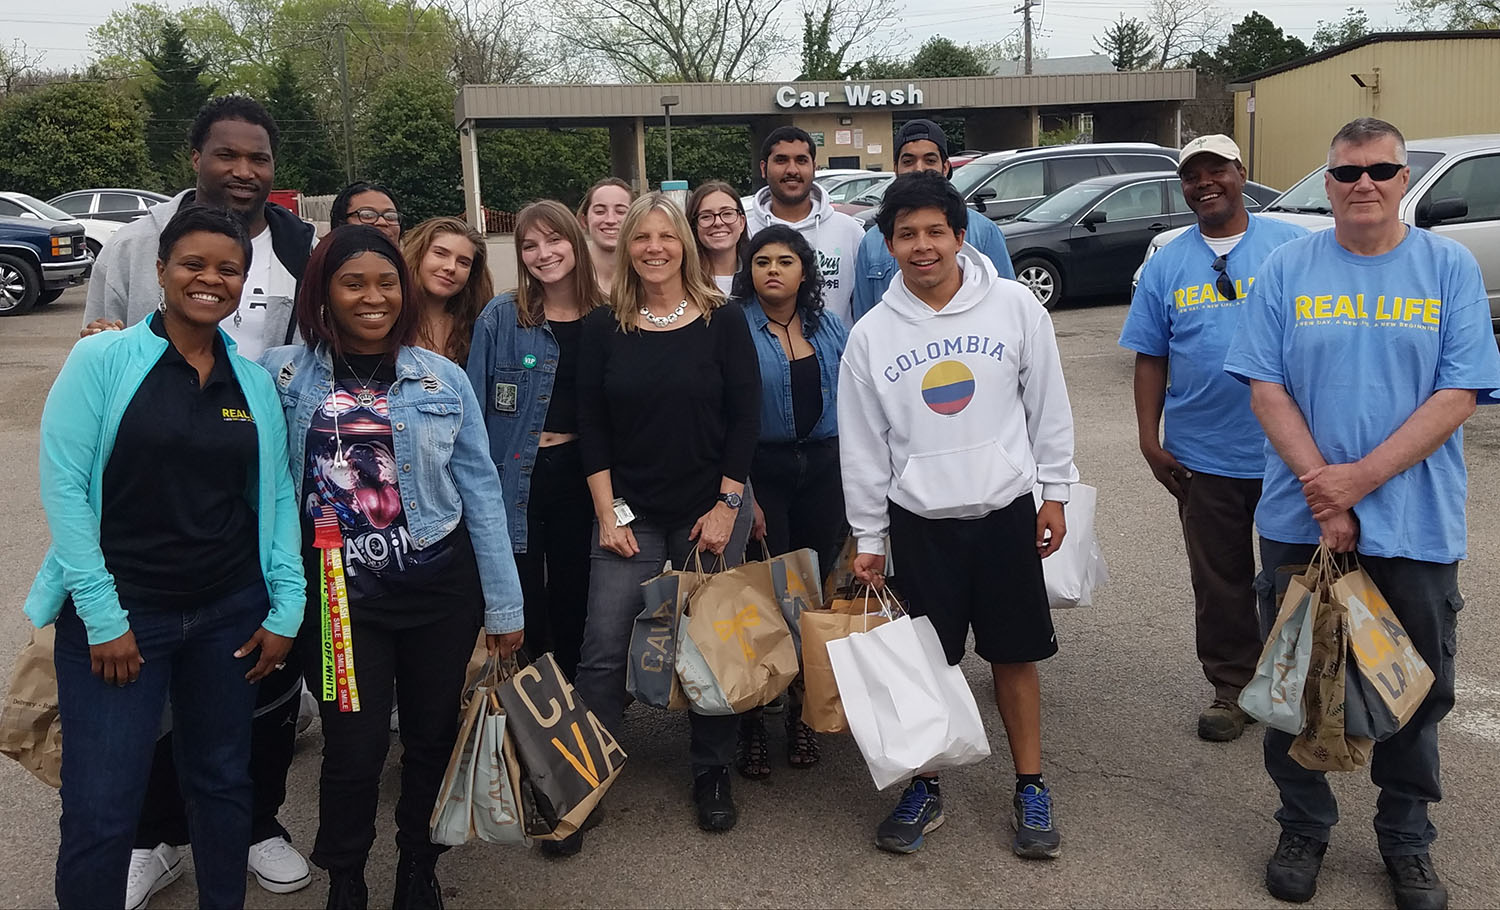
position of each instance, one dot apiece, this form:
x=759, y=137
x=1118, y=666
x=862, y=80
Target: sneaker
x=919, y=812
x=307, y=709
x=716, y=811
x=1036, y=838
x=1292, y=873
x=150, y=871
x=347, y=890
x=278, y=867
x=1222, y=722
x=1416, y=883
x=417, y=886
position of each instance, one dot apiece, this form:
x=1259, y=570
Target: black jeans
x=798, y=487
x=554, y=569
x=422, y=667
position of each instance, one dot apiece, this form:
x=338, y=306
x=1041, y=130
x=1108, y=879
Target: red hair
x=342, y=244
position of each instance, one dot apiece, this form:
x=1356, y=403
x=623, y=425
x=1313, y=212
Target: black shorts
x=980, y=572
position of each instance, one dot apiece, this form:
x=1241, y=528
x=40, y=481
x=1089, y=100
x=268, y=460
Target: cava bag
x=30, y=731
x=651, y=674
x=1274, y=694
x=1324, y=744
x=797, y=586
x=1077, y=569
x=1395, y=679
x=822, y=708
x=479, y=792
x=735, y=651
x=568, y=759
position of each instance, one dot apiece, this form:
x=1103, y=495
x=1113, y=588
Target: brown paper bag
x=1323, y=744
x=734, y=623
x=822, y=708
x=1383, y=651
x=30, y=731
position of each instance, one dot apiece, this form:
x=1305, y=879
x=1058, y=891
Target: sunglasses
x=1224, y=284
x=1380, y=173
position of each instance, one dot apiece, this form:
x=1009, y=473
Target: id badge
x=623, y=515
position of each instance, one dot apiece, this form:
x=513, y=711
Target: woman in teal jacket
x=174, y=573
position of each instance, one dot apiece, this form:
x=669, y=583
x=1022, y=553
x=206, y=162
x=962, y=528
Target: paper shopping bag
x=797, y=586
x=734, y=625
x=1077, y=568
x=840, y=576
x=30, y=731
x=1396, y=674
x=822, y=709
x=1274, y=693
x=568, y=759
x=1324, y=744
x=651, y=674
x=479, y=793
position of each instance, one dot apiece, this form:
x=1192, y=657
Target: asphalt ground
x=1150, y=815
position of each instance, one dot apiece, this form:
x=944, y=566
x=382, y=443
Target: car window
x=118, y=202
x=1023, y=181
x=1477, y=182
x=1072, y=169
x=10, y=208
x=971, y=175
x=1177, y=203
x=1132, y=164
x=75, y=205
x=1140, y=200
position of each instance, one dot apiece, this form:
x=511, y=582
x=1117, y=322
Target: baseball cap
x=917, y=130
x=1214, y=144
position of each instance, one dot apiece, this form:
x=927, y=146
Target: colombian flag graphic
x=948, y=387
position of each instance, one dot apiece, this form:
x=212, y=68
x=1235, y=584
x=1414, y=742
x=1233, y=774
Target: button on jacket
x=777, y=420
x=444, y=473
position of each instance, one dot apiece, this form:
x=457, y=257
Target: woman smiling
x=600, y=214
x=450, y=283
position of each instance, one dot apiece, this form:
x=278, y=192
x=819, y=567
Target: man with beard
x=1185, y=310
x=791, y=198
x=233, y=143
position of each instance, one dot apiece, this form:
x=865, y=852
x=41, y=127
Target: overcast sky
x=1066, y=27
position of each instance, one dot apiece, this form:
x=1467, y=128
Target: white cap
x=1214, y=144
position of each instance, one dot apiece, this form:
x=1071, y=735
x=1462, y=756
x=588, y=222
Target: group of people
x=664, y=381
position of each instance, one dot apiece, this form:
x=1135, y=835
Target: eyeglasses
x=725, y=215
x=1224, y=284
x=370, y=216
x=1380, y=173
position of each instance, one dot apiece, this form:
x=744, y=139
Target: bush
x=71, y=135
x=409, y=144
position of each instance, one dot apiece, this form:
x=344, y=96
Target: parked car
x=96, y=230
x=1002, y=184
x=39, y=259
x=864, y=206
x=840, y=184
x=122, y=205
x=1454, y=191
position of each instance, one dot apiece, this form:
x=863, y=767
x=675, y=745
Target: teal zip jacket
x=79, y=423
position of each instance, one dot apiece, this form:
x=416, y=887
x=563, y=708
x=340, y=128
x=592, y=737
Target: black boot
x=347, y=889
x=417, y=886
x=716, y=811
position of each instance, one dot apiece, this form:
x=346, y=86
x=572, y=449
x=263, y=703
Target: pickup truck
x=39, y=260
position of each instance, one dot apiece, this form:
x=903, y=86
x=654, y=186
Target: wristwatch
x=733, y=500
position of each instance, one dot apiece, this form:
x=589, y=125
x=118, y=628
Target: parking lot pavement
x=1150, y=815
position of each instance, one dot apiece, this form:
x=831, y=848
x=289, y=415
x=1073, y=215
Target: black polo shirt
x=177, y=526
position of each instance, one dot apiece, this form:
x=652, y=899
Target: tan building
x=1429, y=84
x=852, y=122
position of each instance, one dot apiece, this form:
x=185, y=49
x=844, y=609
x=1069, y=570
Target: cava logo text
x=855, y=95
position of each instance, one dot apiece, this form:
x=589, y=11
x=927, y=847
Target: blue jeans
x=1424, y=596
x=111, y=733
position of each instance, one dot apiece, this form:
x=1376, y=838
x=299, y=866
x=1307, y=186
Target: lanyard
x=339, y=683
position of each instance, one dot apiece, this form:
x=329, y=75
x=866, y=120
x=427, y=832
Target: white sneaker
x=278, y=867
x=150, y=871
x=307, y=709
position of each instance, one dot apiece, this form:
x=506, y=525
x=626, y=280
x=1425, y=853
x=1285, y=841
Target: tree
x=1181, y=28
x=492, y=43
x=177, y=90
x=306, y=159
x=18, y=64
x=1127, y=43
x=1256, y=43
x=940, y=57
x=69, y=134
x=1454, y=14
x=410, y=145
x=1008, y=49
x=1354, y=25
x=831, y=33
x=673, y=40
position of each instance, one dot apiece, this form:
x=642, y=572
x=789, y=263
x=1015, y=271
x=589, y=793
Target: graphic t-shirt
x=1360, y=342
x=351, y=468
x=1178, y=313
x=268, y=285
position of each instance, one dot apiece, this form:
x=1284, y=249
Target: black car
x=38, y=261
x=1090, y=237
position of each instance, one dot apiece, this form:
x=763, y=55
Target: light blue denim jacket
x=875, y=267
x=444, y=472
x=777, y=421
x=514, y=399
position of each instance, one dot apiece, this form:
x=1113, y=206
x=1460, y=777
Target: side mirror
x=1440, y=210
x=1097, y=216
x=979, y=198
x=32, y=215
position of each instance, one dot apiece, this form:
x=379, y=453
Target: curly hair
x=232, y=107
x=809, y=292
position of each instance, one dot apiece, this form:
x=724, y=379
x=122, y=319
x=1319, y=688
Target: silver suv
x=1003, y=183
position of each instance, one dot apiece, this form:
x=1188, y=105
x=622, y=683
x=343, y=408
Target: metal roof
x=1376, y=38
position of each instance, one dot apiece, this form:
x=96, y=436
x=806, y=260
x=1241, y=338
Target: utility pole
x=1025, y=10
x=344, y=93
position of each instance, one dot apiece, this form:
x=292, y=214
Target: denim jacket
x=777, y=422
x=514, y=398
x=444, y=472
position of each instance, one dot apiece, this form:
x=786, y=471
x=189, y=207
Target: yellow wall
x=877, y=131
x=1427, y=89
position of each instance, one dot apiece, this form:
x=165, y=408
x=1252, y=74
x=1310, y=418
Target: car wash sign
x=855, y=95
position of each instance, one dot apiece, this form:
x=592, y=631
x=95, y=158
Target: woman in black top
x=668, y=414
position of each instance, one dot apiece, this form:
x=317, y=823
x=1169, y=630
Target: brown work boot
x=1222, y=722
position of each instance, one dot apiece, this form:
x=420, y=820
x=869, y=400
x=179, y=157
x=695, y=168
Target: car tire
x=19, y=285
x=94, y=247
x=1042, y=278
x=46, y=297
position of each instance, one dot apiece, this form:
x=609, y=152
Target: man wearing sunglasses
x=1366, y=348
x=1184, y=312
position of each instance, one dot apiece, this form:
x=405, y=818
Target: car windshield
x=42, y=208
x=1062, y=205
x=872, y=196
x=971, y=175
x=1309, y=196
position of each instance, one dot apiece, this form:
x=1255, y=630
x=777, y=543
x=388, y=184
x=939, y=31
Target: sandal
x=801, y=746
x=754, y=758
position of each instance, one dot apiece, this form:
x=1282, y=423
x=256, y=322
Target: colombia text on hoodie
x=834, y=237
x=953, y=413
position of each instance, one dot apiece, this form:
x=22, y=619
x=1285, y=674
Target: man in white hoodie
x=787, y=161
x=952, y=407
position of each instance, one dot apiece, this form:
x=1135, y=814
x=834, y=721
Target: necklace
x=662, y=322
x=366, y=395
x=785, y=326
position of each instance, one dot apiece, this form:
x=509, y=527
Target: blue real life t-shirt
x=1360, y=342
x=1177, y=313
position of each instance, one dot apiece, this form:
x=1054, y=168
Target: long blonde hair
x=469, y=302
x=553, y=217
x=628, y=293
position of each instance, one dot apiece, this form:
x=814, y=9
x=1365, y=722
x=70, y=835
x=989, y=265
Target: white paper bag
x=1077, y=569
x=909, y=711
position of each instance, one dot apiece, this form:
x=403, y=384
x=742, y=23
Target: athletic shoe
x=278, y=867
x=1222, y=722
x=347, y=890
x=711, y=793
x=1416, y=883
x=1036, y=838
x=1292, y=873
x=919, y=812
x=150, y=871
x=417, y=886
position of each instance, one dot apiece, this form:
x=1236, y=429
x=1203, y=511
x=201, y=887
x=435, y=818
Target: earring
x=323, y=314
x=161, y=301
x=236, y=317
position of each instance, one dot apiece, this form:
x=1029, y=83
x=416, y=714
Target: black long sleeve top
x=670, y=413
